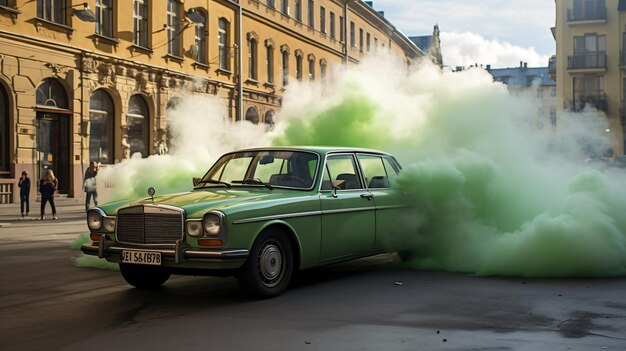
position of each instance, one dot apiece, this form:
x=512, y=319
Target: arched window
x=252, y=115
x=101, y=127
x=4, y=130
x=50, y=93
x=299, y=65
x=285, y=68
x=311, y=67
x=137, y=121
x=270, y=63
x=269, y=120
x=323, y=65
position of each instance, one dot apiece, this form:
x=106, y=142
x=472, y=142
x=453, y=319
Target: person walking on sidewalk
x=24, y=185
x=90, y=184
x=47, y=186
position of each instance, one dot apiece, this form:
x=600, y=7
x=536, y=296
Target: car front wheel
x=144, y=277
x=268, y=269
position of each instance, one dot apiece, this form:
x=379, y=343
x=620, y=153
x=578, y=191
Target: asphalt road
x=47, y=303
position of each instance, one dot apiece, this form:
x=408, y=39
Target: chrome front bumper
x=179, y=254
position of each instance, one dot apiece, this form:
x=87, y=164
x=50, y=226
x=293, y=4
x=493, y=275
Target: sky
x=497, y=32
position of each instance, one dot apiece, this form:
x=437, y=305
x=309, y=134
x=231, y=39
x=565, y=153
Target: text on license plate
x=141, y=257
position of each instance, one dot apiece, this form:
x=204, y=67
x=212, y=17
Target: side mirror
x=335, y=188
x=196, y=181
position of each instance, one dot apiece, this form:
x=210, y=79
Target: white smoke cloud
x=465, y=49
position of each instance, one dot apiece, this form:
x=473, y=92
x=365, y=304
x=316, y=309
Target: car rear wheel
x=269, y=267
x=144, y=277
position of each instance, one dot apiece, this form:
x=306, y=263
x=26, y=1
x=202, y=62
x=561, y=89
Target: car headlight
x=212, y=224
x=108, y=223
x=94, y=219
x=194, y=228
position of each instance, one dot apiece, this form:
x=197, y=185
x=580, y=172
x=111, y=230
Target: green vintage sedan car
x=258, y=214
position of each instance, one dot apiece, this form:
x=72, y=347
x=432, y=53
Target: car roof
x=322, y=150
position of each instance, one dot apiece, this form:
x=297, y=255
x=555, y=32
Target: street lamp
x=85, y=14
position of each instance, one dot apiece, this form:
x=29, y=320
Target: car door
x=348, y=212
x=379, y=172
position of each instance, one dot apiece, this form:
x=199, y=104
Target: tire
x=269, y=267
x=144, y=277
x=406, y=255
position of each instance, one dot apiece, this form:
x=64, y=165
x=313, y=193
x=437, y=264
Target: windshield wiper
x=211, y=181
x=254, y=181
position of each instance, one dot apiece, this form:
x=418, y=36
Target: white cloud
x=465, y=49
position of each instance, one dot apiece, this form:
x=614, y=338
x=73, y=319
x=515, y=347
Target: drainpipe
x=82, y=114
x=239, y=116
x=345, y=32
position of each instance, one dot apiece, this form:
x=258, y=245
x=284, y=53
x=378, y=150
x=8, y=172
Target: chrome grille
x=149, y=225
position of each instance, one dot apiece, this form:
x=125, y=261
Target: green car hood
x=197, y=202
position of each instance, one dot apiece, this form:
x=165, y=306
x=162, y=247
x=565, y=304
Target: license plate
x=141, y=257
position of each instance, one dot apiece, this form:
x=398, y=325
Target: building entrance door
x=53, y=147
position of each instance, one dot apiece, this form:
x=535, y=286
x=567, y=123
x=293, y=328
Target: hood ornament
x=151, y=192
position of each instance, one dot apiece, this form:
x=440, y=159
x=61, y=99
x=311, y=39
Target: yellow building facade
x=92, y=81
x=591, y=61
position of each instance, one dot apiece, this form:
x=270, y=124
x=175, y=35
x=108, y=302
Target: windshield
x=287, y=169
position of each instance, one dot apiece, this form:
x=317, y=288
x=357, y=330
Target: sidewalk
x=67, y=209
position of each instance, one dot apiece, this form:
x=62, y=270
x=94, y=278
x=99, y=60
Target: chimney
x=382, y=13
x=370, y=3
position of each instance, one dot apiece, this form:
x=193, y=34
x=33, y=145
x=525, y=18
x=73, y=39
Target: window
x=323, y=65
x=104, y=18
x=200, y=38
x=51, y=93
x=341, y=172
x=361, y=39
x=589, y=43
x=52, y=10
x=140, y=23
x=375, y=42
x=269, y=120
x=285, y=67
x=101, y=127
x=332, y=25
x=587, y=10
x=298, y=5
x=299, y=66
x=252, y=115
x=270, y=64
x=553, y=116
x=323, y=20
x=271, y=4
x=4, y=131
x=311, y=67
x=342, y=30
x=137, y=125
x=285, y=7
x=374, y=172
x=352, y=36
x=367, y=42
x=252, y=58
x=222, y=42
x=311, y=14
x=173, y=27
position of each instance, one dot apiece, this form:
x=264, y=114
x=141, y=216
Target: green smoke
x=494, y=194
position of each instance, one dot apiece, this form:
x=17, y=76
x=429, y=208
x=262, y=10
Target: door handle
x=367, y=196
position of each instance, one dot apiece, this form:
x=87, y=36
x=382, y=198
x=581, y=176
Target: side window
x=374, y=171
x=392, y=170
x=341, y=171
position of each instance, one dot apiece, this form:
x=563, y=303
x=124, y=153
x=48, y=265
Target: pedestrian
x=24, y=185
x=47, y=186
x=89, y=184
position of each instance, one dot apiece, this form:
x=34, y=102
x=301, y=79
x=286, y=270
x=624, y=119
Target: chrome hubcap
x=271, y=264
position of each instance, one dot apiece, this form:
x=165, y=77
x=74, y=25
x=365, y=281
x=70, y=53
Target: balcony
x=587, y=61
x=552, y=67
x=597, y=100
x=586, y=15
